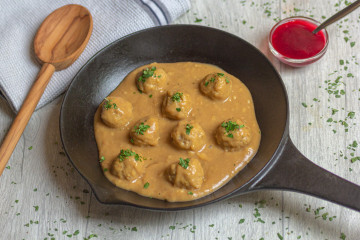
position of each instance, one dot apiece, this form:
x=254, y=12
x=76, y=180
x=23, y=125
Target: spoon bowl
x=61, y=37
x=59, y=41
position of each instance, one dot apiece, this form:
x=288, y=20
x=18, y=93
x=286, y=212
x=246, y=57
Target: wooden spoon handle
x=23, y=117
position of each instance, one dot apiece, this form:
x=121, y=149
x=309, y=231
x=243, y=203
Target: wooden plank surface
x=43, y=197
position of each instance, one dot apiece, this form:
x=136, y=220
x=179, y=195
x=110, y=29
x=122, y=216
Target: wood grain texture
x=63, y=36
x=22, y=118
x=60, y=40
x=67, y=204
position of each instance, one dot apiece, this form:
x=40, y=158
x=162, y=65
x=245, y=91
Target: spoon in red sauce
x=299, y=41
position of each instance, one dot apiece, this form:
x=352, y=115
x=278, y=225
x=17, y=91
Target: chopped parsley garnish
x=178, y=109
x=102, y=159
x=150, y=96
x=141, y=128
x=231, y=126
x=184, y=162
x=108, y=105
x=128, y=153
x=206, y=84
x=30, y=148
x=342, y=236
x=220, y=74
x=131, y=140
x=146, y=74
x=212, y=79
x=198, y=20
x=227, y=80
x=190, y=193
x=105, y=169
x=188, y=129
x=176, y=97
x=351, y=115
x=146, y=185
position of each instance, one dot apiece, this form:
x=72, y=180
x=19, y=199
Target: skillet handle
x=294, y=172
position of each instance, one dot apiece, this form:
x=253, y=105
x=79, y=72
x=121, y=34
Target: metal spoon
x=60, y=40
x=338, y=16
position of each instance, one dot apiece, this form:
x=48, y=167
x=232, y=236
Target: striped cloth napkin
x=20, y=19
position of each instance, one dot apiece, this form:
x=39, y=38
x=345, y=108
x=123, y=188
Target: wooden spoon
x=59, y=41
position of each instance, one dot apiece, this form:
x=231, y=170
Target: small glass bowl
x=297, y=62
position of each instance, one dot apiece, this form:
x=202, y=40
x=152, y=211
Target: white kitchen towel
x=112, y=19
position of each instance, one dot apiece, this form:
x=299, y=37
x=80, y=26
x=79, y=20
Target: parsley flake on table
x=146, y=74
x=184, y=162
x=342, y=236
x=141, y=128
x=351, y=115
x=197, y=20
x=176, y=97
x=188, y=129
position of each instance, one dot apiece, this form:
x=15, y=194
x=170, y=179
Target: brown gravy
x=218, y=165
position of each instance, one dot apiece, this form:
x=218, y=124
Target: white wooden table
x=43, y=197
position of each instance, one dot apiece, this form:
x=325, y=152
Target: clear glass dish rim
x=293, y=60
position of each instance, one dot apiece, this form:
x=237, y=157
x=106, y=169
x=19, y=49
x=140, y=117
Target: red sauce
x=294, y=39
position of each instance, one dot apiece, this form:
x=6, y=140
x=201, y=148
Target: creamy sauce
x=219, y=166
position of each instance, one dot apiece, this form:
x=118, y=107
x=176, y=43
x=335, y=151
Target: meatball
x=128, y=166
x=233, y=135
x=145, y=132
x=188, y=135
x=151, y=80
x=116, y=112
x=177, y=105
x=187, y=173
x=216, y=86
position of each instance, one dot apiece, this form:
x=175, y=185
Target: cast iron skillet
x=277, y=165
